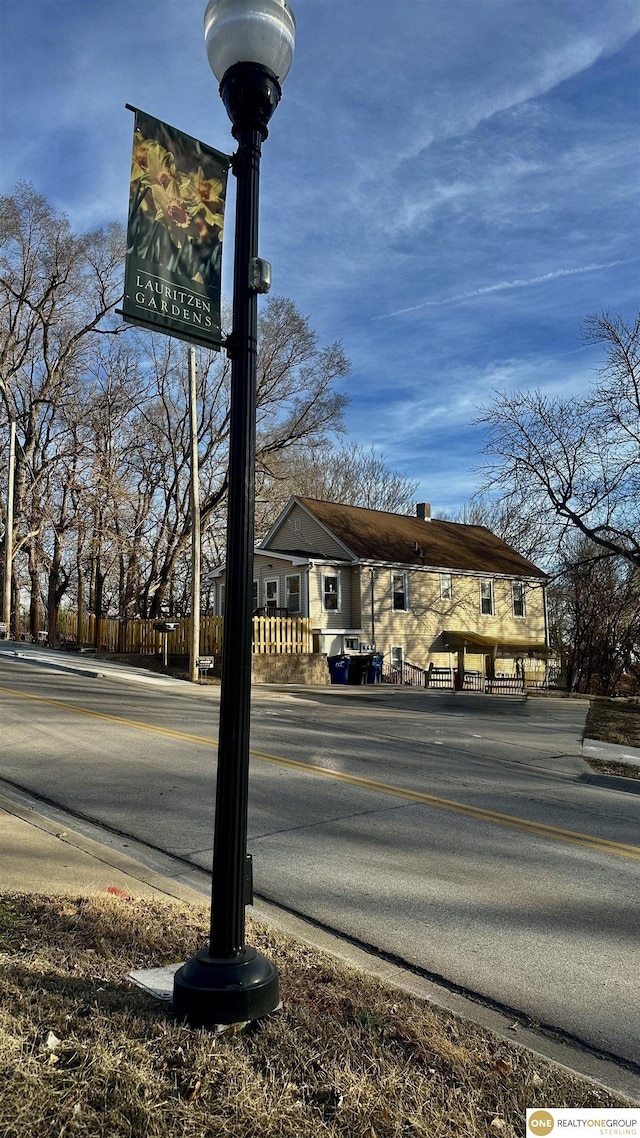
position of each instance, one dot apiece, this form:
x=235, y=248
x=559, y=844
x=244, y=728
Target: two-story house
x=420, y=590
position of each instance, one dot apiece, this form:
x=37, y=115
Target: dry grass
x=614, y=721
x=609, y=766
x=85, y=1055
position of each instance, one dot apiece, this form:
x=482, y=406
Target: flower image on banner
x=174, y=234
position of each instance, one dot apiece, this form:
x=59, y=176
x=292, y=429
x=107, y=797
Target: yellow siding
x=418, y=631
x=321, y=619
x=267, y=568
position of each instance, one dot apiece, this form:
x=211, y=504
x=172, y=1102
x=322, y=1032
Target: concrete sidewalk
x=89, y=665
x=40, y=855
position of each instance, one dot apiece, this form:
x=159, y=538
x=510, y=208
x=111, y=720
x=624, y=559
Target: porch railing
x=404, y=674
x=443, y=679
x=506, y=685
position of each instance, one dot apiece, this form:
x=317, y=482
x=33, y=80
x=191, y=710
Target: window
x=486, y=598
x=292, y=585
x=255, y=603
x=271, y=594
x=351, y=643
x=399, y=592
x=517, y=597
x=446, y=586
x=330, y=592
x=397, y=656
x=222, y=600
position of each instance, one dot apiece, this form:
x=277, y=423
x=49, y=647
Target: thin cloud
x=504, y=286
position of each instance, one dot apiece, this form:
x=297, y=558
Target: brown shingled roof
x=374, y=535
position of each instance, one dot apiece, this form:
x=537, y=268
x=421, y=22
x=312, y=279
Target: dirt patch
x=85, y=1054
x=622, y=770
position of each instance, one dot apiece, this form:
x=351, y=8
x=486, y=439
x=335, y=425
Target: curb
x=611, y=782
x=627, y=756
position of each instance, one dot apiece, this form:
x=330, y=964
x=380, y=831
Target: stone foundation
x=298, y=668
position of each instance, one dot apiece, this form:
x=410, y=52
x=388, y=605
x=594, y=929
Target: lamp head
x=250, y=31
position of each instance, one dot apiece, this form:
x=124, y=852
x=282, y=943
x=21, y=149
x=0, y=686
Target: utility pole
x=195, y=523
x=8, y=533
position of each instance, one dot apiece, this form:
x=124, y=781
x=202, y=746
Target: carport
x=494, y=648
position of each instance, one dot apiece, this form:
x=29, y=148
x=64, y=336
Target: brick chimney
x=423, y=511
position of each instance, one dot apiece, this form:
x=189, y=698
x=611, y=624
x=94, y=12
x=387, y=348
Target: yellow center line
x=604, y=845
x=111, y=718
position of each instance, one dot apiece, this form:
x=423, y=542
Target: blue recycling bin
x=339, y=669
x=374, y=669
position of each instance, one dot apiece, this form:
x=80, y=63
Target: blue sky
x=449, y=186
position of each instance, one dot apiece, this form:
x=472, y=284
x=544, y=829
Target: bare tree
x=512, y=520
x=56, y=288
x=348, y=474
x=594, y=618
x=102, y=482
x=576, y=462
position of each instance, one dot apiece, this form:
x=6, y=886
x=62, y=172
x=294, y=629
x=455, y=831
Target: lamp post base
x=207, y=990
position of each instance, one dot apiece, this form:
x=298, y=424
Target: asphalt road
x=449, y=831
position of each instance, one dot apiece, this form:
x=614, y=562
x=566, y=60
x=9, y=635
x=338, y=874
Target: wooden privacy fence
x=275, y=636
x=281, y=635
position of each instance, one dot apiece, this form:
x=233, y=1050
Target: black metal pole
x=228, y=904
x=231, y=982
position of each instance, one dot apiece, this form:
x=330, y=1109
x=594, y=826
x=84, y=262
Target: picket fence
x=273, y=636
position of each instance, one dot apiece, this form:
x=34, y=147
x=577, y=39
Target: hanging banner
x=174, y=233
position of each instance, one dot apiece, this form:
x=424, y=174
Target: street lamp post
x=250, y=48
x=8, y=531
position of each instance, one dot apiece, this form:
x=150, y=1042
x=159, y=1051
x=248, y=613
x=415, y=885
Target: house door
x=271, y=598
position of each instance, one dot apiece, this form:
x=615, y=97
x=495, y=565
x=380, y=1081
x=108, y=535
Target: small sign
x=205, y=662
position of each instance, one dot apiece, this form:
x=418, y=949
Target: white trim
x=405, y=590
x=333, y=562
x=298, y=611
x=336, y=631
x=271, y=581
x=481, y=582
x=292, y=557
x=449, y=596
x=533, y=581
x=323, y=591
x=518, y=615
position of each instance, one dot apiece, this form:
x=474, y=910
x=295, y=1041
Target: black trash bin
x=358, y=669
x=339, y=669
x=374, y=669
